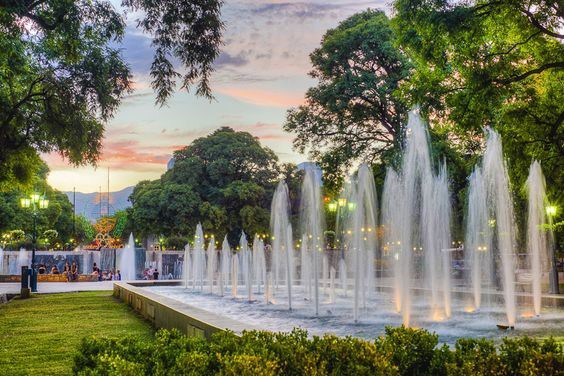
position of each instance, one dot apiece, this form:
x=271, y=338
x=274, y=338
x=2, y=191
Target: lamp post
x=35, y=202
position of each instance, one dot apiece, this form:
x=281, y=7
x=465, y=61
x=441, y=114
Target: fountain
x=357, y=228
x=186, y=267
x=416, y=217
x=340, y=290
x=537, y=242
x=1, y=260
x=282, y=249
x=198, y=259
x=126, y=262
x=312, y=222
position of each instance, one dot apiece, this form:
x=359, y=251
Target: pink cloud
x=263, y=97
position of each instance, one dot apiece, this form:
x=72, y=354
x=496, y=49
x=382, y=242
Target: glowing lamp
x=551, y=210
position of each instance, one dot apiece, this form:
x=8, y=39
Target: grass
x=40, y=335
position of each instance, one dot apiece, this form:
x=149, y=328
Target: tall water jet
x=282, y=250
x=186, y=266
x=224, y=265
x=537, y=242
x=259, y=263
x=211, y=263
x=478, y=239
x=501, y=218
x=414, y=202
x=235, y=273
x=1, y=260
x=198, y=259
x=126, y=262
x=357, y=227
x=246, y=265
x=312, y=222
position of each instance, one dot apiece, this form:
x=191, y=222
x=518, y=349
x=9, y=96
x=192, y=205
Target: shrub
x=410, y=350
x=401, y=351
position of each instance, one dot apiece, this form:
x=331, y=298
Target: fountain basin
x=167, y=304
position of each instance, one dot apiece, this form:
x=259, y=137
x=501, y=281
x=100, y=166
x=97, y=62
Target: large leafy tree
x=62, y=75
x=58, y=216
x=353, y=113
x=491, y=63
x=224, y=181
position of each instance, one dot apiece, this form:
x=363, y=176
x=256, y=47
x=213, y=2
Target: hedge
x=401, y=351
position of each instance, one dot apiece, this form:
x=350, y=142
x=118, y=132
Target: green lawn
x=40, y=335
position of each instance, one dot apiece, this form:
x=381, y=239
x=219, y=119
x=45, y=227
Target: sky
x=260, y=74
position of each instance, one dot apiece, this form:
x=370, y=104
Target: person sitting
x=117, y=276
x=109, y=276
x=74, y=271
x=66, y=271
x=55, y=270
x=42, y=269
x=155, y=274
x=96, y=269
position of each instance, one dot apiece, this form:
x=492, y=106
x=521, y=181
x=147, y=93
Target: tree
x=225, y=181
x=491, y=63
x=62, y=75
x=353, y=114
x=57, y=217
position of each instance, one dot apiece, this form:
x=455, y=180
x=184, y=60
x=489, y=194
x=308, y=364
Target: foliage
x=121, y=222
x=401, y=351
x=224, y=181
x=62, y=75
x=85, y=232
x=57, y=217
x=36, y=333
x=491, y=63
x=353, y=113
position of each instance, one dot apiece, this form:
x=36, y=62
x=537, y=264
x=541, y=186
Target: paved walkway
x=52, y=287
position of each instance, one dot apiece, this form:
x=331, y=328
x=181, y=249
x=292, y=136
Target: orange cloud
x=263, y=97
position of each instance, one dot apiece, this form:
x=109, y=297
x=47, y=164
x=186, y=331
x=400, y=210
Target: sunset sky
x=261, y=72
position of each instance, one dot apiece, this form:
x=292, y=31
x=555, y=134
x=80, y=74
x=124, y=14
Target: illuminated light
x=437, y=315
x=35, y=197
x=527, y=315
x=414, y=248
x=420, y=248
x=332, y=207
x=43, y=203
x=365, y=238
x=25, y=202
x=362, y=229
x=273, y=238
x=349, y=232
x=396, y=256
x=326, y=199
x=469, y=309
x=551, y=210
x=342, y=201
x=311, y=236
x=491, y=222
x=369, y=229
x=351, y=206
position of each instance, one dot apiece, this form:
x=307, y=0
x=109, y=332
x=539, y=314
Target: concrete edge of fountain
x=168, y=313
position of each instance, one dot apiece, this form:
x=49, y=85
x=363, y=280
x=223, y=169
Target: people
x=42, y=269
x=66, y=271
x=117, y=276
x=155, y=274
x=55, y=269
x=74, y=271
x=96, y=271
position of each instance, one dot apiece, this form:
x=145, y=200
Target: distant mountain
x=88, y=204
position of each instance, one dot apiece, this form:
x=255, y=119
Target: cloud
x=263, y=97
x=226, y=59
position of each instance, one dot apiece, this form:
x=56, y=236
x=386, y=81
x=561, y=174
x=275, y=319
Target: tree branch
x=542, y=68
x=539, y=26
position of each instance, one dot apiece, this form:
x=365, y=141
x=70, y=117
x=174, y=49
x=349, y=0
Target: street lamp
x=35, y=202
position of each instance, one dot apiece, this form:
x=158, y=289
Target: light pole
x=35, y=202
